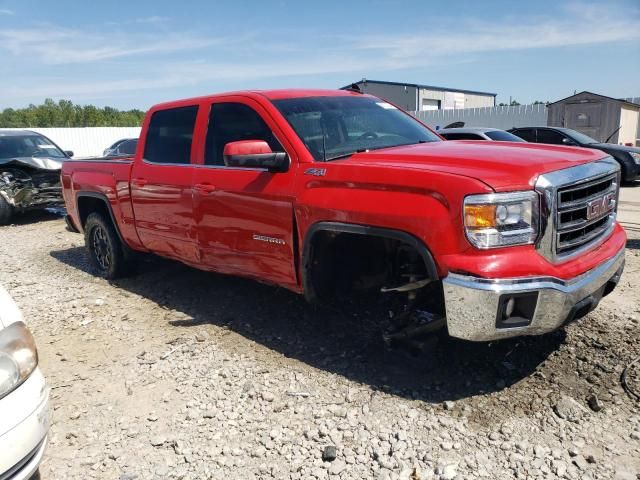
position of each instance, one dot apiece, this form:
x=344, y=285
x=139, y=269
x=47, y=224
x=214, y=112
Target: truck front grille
x=584, y=213
x=578, y=208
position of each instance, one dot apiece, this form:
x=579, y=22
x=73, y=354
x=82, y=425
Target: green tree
x=67, y=114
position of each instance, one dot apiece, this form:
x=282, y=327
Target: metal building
x=598, y=116
x=415, y=97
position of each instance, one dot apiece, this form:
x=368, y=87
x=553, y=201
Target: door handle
x=139, y=182
x=205, y=187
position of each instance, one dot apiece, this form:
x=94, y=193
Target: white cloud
x=65, y=46
x=152, y=19
x=6, y=11
x=583, y=25
x=261, y=55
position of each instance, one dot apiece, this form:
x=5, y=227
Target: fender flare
x=103, y=198
x=340, y=227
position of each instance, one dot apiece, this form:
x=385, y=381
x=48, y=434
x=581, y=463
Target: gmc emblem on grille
x=600, y=206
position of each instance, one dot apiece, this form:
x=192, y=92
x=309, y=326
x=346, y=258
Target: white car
x=24, y=397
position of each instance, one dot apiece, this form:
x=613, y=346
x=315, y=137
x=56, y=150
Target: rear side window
x=527, y=134
x=501, y=136
x=462, y=136
x=232, y=122
x=549, y=136
x=170, y=135
x=128, y=147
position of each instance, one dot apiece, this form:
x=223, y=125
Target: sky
x=138, y=53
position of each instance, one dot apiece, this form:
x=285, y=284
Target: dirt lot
x=177, y=373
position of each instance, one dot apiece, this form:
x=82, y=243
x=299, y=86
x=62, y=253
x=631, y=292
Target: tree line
x=66, y=114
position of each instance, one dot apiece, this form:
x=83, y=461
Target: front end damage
x=28, y=185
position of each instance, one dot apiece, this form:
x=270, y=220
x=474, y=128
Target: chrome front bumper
x=476, y=306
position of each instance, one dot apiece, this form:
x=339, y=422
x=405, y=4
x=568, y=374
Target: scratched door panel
x=243, y=216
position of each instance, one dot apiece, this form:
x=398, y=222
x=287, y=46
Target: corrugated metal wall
x=89, y=141
x=635, y=100
x=495, y=117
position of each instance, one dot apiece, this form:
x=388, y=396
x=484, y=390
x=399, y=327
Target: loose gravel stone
x=329, y=453
x=183, y=374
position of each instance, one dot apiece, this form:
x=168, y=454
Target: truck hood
x=503, y=166
x=40, y=163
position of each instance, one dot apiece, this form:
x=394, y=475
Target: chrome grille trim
x=552, y=185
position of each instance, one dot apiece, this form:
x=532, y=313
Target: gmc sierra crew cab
x=334, y=194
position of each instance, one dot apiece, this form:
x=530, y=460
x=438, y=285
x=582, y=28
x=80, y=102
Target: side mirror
x=255, y=154
x=568, y=141
x=68, y=153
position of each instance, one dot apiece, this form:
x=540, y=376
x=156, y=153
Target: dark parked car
x=124, y=146
x=30, y=166
x=627, y=157
x=479, y=133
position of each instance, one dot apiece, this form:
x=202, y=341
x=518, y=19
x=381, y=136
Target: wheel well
x=88, y=205
x=339, y=264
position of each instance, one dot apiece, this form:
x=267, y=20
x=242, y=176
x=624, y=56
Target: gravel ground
x=177, y=373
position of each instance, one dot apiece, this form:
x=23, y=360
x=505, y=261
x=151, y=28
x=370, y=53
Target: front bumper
x=477, y=307
x=24, y=425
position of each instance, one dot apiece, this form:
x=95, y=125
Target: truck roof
x=278, y=94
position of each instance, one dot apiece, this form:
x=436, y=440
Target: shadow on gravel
x=633, y=244
x=345, y=344
x=35, y=216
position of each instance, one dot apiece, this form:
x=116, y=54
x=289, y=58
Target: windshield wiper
x=344, y=155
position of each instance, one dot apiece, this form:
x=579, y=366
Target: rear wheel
x=6, y=211
x=106, y=251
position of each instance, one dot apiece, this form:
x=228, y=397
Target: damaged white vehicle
x=30, y=166
x=24, y=397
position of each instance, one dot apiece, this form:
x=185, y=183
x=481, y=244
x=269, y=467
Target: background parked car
x=479, y=133
x=125, y=146
x=30, y=166
x=24, y=397
x=627, y=157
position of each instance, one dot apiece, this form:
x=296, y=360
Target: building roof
x=621, y=100
x=418, y=85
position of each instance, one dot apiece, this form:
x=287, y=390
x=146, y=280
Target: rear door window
x=527, y=134
x=170, y=135
x=549, y=136
x=462, y=136
x=128, y=147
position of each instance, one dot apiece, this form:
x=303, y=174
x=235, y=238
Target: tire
x=6, y=211
x=106, y=252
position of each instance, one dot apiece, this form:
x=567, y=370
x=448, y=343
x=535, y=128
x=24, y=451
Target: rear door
x=161, y=185
x=244, y=216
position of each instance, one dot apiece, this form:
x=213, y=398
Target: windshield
x=28, y=146
x=581, y=138
x=334, y=127
x=501, y=136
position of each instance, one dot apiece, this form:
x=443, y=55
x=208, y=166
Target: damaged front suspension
x=411, y=322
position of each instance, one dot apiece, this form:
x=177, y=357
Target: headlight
x=501, y=219
x=18, y=356
x=636, y=157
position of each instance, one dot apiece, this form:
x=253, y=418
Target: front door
x=161, y=185
x=244, y=216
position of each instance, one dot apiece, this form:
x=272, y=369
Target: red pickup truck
x=336, y=193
